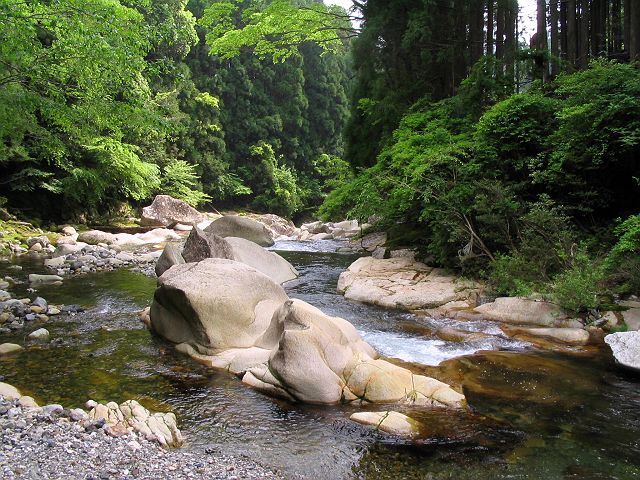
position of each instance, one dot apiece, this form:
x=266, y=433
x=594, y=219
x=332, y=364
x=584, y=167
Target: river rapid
x=535, y=414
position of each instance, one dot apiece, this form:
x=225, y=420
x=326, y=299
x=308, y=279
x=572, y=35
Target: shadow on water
x=534, y=414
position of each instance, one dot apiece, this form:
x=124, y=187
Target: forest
x=511, y=159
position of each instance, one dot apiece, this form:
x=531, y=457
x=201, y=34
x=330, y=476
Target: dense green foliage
x=105, y=101
x=513, y=192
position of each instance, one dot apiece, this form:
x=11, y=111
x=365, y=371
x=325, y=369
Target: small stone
x=53, y=409
x=7, y=348
x=36, y=279
x=42, y=334
x=91, y=404
x=30, y=317
x=53, y=311
x=77, y=414
x=4, y=296
x=40, y=302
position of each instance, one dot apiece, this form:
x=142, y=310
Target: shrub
x=576, y=289
x=623, y=261
x=181, y=181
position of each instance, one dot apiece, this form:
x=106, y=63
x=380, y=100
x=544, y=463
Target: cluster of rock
x=406, y=284
x=16, y=314
x=52, y=442
x=328, y=231
x=95, y=250
x=116, y=420
x=130, y=416
x=227, y=314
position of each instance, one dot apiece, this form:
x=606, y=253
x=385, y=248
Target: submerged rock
x=571, y=336
x=167, y=211
x=242, y=227
x=389, y=422
x=7, y=348
x=626, y=348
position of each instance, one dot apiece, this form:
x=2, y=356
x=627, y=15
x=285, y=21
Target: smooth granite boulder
x=242, y=227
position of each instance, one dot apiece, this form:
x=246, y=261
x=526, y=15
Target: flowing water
x=535, y=414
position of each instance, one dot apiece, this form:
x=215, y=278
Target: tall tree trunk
x=510, y=46
x=627, y=26
x=555, y=45
x=634, y=31
x=476, y=31
x=616, y=28
x=500, y=29
x=563, y=31
x=572, y=33
x=542, y=46
x=490, y=26
x=583, y=38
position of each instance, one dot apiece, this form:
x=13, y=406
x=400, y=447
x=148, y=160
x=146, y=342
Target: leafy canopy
x=273, y=29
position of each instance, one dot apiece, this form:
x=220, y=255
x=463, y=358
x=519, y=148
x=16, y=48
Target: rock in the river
x=171, y=255
x=626, y=348
x=201, y=245
x=228, y=315
x=214, y=305
x=390, y=422
x=571, y=336
x=130, y=415
x=42, y=334
x=321, y=359
x=36, y=279
x=167, y=211
x=404, y=284
x=269, y=263
x=242, y=227
x=277, y=226
x=7, y=348
x=522, y=311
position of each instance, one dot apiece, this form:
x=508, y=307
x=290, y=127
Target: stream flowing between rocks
x=535, y=414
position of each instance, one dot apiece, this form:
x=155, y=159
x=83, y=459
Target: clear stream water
x=535, y=414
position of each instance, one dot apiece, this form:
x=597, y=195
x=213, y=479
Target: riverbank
x=37, y=444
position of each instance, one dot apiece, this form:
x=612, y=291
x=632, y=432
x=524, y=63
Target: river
x=535, y=414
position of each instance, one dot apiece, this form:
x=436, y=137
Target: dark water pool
x=536, y=414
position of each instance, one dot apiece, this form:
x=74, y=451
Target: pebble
x=33, y=445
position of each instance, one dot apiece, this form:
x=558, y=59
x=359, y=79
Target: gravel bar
x=35, y=444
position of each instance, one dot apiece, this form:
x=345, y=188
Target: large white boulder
x=323, y=359
x=242, y=227
x=269, y=263
x=404, y=284
x=166, y=211
x=214, y=305
x=626, y=348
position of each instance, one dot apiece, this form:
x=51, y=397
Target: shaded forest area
x=105, y=103
x=515, y=162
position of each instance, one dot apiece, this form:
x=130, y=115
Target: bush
x=181, y=181
x=576, y=289
x=623, y=261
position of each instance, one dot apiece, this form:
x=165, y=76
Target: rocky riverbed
x=48, y=444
